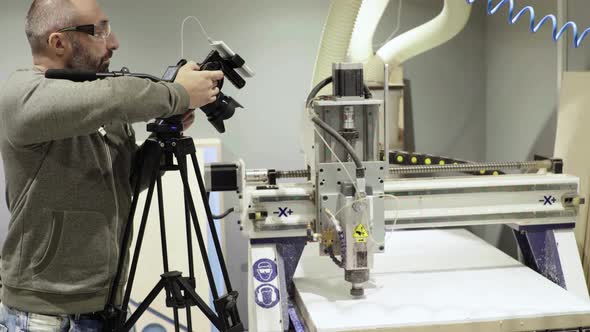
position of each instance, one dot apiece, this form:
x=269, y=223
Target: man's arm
x=58, y=109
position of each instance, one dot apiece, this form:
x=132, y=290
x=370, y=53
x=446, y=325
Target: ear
x=58, y=43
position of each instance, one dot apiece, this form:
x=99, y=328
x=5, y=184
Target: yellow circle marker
x=428, y=161
x=258, y=216
x=496, y=173
x=442, y=162
x=400, y=159
x=482, y=172
x=414, y=160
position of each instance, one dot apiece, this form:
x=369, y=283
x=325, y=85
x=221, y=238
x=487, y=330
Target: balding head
x=74, y=47
x=46, y=17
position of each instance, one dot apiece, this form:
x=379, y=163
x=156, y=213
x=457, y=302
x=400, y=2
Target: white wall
x=521, y=93
x=521, y=96
x=448, y=83
x=578, y=59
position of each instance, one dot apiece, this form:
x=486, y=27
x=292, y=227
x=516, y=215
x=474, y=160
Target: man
x=68, y=183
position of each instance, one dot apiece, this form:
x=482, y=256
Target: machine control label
x=360, y=233
x=267, y=296
x=265, y=270
x=284, y=212
x=548, y=200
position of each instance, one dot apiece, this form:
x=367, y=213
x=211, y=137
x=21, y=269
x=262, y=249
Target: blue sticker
x=267, y=296
x=265, y=270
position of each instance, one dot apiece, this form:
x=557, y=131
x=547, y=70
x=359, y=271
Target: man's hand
x=200, y=85
x=188, y=119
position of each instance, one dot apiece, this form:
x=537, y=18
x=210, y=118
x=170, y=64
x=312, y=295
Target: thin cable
x=368, y=197
x=335, y=215
x=182, y=34
x=397, y=27
x=338, y=159
x=512, y=18
x=340, y=232
x=336, y=135
x=316, y=89
x=223, y=215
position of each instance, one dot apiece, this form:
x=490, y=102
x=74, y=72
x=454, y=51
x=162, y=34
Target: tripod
x=159, y=151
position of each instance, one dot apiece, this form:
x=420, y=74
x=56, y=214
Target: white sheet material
x=435, y=278
x=571, y=264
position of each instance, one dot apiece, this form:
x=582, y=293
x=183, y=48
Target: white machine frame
x=347, y=210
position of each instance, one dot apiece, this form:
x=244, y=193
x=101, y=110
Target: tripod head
x=166, y=127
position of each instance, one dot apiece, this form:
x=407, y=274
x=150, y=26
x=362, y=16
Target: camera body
x=224, y=107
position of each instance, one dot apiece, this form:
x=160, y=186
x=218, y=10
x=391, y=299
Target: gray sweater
x=68, y=186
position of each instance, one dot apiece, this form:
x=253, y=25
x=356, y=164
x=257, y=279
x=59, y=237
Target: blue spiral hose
x=513, y=18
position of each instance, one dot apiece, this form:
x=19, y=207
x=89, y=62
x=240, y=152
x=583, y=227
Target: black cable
x=324, y=83
x=224, y=214
x=358, y=162
x=336, y=261
x=317, y=89
x=368, y=94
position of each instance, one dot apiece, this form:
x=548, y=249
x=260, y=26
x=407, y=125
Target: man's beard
x=84, y=60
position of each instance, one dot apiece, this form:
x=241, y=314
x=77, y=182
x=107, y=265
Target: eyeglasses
x=101, y=30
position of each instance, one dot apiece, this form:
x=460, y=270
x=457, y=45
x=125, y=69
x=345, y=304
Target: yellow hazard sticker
x=360, y=233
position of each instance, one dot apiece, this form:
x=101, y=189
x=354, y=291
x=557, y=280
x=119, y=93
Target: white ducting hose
x=361, y=44
x=442, y=28
x=335, y=37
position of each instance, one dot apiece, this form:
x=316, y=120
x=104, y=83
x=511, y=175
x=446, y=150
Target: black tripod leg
x=189, y=240
x=176, y=321
x=189, y=291
x=146, y=210
x=143, y=306
x=181, y=158
x=191, y=264
x=162, y=224
x=189, y=319
x=205, y=199
x=189, y=243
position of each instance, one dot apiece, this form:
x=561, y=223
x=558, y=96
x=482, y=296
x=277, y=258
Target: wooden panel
x=571, y=144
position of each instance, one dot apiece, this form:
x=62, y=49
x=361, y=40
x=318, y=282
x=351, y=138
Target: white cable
x=398, y=24
x=368, y=197
x=333, y=219
x=182, y=34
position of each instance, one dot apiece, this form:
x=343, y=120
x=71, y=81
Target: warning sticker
x=360, y=233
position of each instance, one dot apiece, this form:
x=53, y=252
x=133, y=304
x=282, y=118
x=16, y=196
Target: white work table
x=435, y=280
